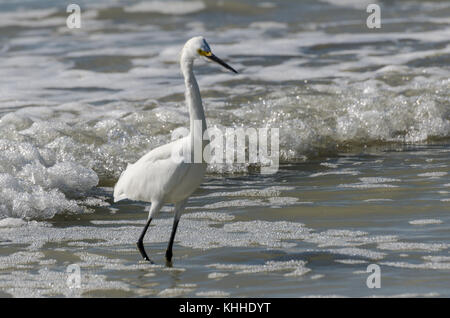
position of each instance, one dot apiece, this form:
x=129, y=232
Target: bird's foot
x=140, y=246
x=169, y=258
x=148, y=260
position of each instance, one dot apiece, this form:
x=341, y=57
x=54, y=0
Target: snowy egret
x=157, y=177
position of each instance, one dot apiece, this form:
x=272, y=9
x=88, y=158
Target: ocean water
x=364, y=125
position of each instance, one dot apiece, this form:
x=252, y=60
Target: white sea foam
x=329, y=165
x=425, y=221
x=213, y=293
x=317, y=276
x=34, y=186
x=367, y=185
x=354, y=4
x=293, y=267
x=358, y=252
x=336, y=172
x=433, y=174
x=371, y=182
x=350, y=261
x=268, y=25
x=243, y=203
x=28, y=284
x=427, y=265
x=213, y=216
x=167, y=7
x=351, y=241
x=403, y=246
x=175, y=292
x=217, y=275
x=378, y=180
x=195, y=233
x=12, y=222
x=273, y=191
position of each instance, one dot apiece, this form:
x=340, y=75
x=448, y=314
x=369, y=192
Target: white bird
x=160, y=177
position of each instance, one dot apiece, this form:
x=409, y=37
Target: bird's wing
x=152, y=176
x=160, y=153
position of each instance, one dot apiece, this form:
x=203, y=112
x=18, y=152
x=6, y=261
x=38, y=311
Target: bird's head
x=197, y=47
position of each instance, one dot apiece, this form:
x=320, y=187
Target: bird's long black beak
x=214, y=58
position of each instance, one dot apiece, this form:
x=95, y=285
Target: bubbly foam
x=403, y=246
x=213, y=293
x=425, y=221
x=293, y=267
x=34, y=185
x=167, y=7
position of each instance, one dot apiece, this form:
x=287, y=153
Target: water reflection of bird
x=170, y=173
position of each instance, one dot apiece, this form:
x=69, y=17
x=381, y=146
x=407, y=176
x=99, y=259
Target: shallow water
x=364, y=119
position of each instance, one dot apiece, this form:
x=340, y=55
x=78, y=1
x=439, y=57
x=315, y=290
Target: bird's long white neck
x=193, y=99
x=196, y=112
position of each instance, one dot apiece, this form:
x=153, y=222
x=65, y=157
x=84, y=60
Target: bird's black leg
x=172, y=237
x=140, y=243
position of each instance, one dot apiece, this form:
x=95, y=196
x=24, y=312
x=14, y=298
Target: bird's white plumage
x=160, y=176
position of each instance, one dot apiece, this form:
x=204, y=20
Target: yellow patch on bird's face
x=204, y=53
